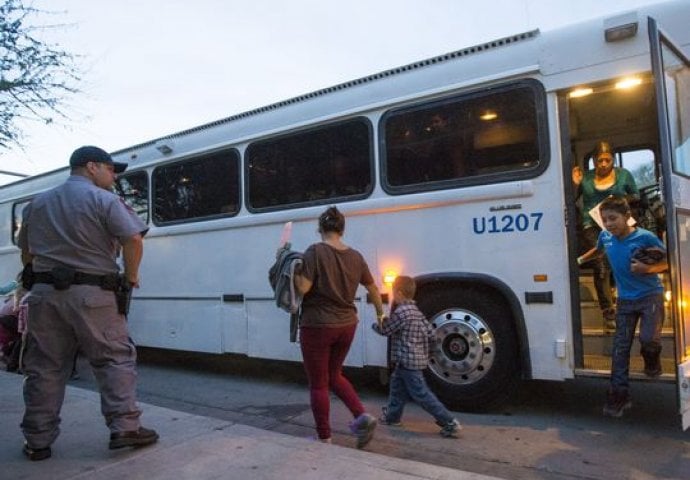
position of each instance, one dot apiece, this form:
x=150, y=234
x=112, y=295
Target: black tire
x=474, y=365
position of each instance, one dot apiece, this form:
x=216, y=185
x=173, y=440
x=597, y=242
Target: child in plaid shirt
x=410, y=333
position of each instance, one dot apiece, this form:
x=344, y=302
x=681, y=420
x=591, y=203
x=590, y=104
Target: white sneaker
x=315, y=438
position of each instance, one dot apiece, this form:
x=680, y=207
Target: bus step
x=591, y=316
x=600, y=366
x=587, y=291
x=600, y=343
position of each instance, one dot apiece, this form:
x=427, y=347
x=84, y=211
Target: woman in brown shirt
x=331, y=274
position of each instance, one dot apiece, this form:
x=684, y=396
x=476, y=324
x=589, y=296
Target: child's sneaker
x=391, y=423
x=617, y=402
x=383, y=419
x=315, y=438
x=450, y=429
x=363, y=426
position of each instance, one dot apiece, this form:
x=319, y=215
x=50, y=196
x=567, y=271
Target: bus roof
x=473, y=50
x=554, y=55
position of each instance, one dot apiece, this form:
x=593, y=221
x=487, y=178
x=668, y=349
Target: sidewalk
x=190, y=447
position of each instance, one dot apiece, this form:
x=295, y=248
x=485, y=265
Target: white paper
x=596, y=216
x=285, y=234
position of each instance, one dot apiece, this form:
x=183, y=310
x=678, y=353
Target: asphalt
x=190, y=447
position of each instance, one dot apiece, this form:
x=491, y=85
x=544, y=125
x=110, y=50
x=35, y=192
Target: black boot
x=651, y=353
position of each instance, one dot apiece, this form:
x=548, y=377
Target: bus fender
x=498, y=287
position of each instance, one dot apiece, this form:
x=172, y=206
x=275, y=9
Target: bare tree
x=35, y=76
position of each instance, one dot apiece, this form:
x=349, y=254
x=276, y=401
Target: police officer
x=71, y=236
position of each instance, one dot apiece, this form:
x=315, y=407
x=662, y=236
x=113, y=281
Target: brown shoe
x=617, y=402
x=133, y=438
x=609, y=319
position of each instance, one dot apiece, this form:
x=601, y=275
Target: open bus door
x=672, y=82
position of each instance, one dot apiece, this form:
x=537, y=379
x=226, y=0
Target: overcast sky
x=155, y=67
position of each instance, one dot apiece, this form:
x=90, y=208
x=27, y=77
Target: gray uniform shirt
x=78, y=225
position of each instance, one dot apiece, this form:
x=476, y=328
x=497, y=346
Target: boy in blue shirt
x=640, y=296
x=410, y=333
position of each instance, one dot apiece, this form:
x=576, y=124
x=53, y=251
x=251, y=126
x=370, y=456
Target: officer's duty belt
x=104, y=281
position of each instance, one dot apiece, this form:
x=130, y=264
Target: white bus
x=455, y=170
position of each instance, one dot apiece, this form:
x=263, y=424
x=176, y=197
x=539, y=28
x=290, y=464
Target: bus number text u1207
x=522, y=222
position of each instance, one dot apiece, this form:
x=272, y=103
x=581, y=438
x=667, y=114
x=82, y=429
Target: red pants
x=324, y=351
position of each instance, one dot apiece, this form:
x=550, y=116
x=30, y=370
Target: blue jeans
x=649, y=311
x=410, y=385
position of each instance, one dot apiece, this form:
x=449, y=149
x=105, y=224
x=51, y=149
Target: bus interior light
x=488, y=115
x=581, y=92
x=628, y=83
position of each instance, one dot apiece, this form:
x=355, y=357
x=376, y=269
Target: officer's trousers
x=60, y=322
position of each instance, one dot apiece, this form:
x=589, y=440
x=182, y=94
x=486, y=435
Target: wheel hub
x=464, y=349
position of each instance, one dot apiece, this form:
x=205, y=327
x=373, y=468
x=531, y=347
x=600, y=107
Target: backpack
x=10, y=342
x=281, y=276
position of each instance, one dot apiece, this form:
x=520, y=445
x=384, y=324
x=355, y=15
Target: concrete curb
x=191, y=447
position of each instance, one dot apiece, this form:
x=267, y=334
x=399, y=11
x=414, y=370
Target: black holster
x=63, y=277
x=28, y=278
x=123, y=295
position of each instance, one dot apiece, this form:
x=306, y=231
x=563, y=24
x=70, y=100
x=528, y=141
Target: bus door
x=671, y=71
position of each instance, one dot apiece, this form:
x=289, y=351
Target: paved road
x=551, y=430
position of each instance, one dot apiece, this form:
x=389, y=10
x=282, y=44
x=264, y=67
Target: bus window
x=197, y=189
x=677, y=81
x=17, y=215
x=451, y=141
x=311, y=167
x=640, y=163
x=133, y=188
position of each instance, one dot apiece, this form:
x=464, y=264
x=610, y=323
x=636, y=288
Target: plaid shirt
x=410, y=333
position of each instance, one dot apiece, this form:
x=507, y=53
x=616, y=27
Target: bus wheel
x=474, y=363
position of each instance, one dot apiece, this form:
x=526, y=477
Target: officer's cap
x=83, y=155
